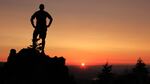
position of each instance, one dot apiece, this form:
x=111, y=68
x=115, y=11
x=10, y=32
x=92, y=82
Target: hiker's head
x=41, y=6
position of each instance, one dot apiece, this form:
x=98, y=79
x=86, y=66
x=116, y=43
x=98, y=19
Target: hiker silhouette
x=40, y=26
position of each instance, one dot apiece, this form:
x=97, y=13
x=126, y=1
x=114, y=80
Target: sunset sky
x=83, y=31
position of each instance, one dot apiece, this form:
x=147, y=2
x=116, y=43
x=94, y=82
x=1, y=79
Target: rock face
x=29, y=66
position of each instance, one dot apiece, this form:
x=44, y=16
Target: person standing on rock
x=40, y=25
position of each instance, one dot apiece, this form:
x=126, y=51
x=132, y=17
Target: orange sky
x=90, y=31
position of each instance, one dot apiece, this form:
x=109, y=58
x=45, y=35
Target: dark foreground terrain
x=29, y=66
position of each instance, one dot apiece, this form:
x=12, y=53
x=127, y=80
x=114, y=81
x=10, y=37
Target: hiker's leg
x=43, y=44
x=35, y=34
x=43, y=40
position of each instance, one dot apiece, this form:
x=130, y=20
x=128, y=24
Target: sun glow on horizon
x=83, y=64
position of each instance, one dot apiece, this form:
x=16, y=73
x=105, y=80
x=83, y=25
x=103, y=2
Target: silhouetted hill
x=29, y=66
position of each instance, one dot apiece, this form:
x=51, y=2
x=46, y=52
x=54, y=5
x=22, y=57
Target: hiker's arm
x=50, y=20
x=32, y=20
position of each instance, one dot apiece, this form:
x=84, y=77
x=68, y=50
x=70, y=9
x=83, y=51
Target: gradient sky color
x=89, y=31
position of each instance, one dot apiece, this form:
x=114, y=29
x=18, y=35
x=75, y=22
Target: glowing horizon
x=93, y=31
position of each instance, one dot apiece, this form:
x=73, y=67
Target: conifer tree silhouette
x=140, y=72
x=106, y=76
x=140, y=68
